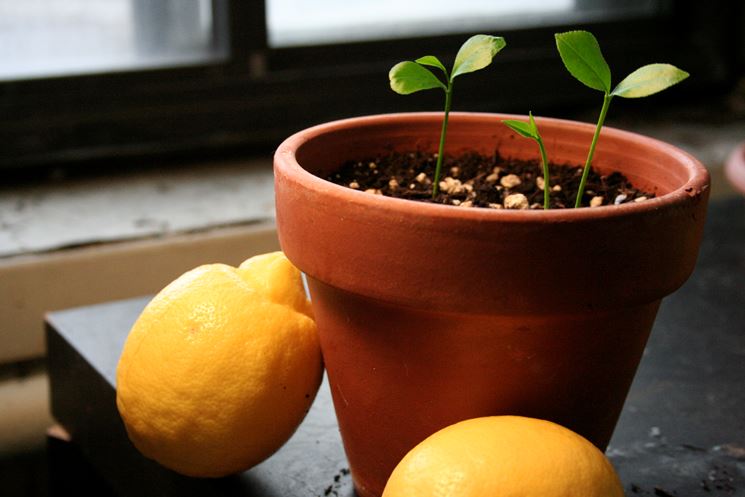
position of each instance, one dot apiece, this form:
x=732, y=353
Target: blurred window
x=92, y=80
x=298, y=22
x=48, y=38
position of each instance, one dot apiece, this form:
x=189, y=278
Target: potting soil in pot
x=473, y=180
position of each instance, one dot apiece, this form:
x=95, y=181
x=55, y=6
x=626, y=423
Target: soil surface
x=473, y=180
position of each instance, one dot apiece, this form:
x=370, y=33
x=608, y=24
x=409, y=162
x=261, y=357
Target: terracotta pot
x=431, y=314
x=734, y=168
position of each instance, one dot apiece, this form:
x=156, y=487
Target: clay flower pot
x=431, y=314
x=734, y=168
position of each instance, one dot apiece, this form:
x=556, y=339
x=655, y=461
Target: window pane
x=300, y=22
x=42, y=38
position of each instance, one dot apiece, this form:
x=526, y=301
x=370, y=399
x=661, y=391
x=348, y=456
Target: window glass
x=42, y=38
x=299, y=22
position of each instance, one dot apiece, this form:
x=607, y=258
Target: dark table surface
x=681, y=433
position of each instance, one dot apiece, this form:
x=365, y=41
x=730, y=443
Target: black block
x=84, y=346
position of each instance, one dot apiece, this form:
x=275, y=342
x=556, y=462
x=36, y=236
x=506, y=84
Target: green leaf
x=649, y=80
x=520, y=127
x=432, y=61
x=476, y=53
x=409, y=77
x=581, y=55
x=533, y=126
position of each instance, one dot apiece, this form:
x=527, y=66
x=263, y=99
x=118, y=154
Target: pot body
x=432, y=314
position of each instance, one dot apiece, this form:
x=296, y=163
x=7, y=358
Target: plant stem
x=546, y=183
x=606, y=103
x=448, y=98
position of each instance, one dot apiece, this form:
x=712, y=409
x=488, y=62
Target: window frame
x=259, y=95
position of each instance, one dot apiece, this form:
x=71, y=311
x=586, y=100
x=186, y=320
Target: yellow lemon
x=221, y=367
x=504, y=456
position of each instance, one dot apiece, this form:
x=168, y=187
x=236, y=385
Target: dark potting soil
x=473, y=180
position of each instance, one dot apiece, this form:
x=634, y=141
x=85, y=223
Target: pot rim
x=285, y=157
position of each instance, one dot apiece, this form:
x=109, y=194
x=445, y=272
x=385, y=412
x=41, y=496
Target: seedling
x=581, y=55
x=530, y=130
x=412, y=76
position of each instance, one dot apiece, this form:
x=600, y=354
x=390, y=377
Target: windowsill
x=42, y=218
x=84, y=241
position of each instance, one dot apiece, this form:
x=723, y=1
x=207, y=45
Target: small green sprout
x=409, y=77
x=530, y=130
x=581, y=55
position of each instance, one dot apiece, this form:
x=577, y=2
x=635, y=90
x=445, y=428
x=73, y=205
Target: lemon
x=221, y=367
x=504, y=456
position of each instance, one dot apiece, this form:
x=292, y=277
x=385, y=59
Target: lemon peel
x=221, y=367
x=509, y=456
